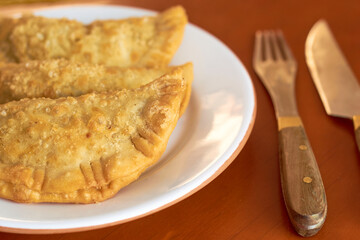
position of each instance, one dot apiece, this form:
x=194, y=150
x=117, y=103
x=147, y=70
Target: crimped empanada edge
x=23, y=193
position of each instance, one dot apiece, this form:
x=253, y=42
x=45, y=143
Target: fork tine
x=277, y=49
x=267, y=46
x=284, y=46
x=258, y=47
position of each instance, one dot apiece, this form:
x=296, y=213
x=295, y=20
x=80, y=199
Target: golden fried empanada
x=59, y=78
x=85, y=149
x=143, y=41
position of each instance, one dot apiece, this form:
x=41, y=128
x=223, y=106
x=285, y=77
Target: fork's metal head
x=272, y=49
x=276, y=67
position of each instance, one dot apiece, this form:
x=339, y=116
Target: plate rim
x=9, y=11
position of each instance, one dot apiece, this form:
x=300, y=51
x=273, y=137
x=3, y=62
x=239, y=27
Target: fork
x=301, y=182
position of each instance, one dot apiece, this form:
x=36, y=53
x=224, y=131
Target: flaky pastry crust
x=84, y=149
x=62, y=78
x=144, y=41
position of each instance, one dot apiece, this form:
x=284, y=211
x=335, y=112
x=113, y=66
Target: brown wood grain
x=245, y=201
x=302, y=186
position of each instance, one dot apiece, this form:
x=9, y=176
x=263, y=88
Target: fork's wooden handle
x=356, y=120
x=302, y=186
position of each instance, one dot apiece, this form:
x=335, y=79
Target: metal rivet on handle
x=307, y=179
x=303, y=147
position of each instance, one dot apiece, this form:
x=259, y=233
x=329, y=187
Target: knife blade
x=337, y=85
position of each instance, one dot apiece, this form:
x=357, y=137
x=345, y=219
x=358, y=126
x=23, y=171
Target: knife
x=336, y=83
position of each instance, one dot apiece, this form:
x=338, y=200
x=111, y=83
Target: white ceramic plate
x=208, y=137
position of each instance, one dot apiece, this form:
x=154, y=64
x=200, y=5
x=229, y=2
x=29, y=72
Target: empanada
x=143, y=41
x=84, y=149
x=59, y=78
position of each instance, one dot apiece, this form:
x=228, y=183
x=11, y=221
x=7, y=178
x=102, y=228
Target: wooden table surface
x=245, y=201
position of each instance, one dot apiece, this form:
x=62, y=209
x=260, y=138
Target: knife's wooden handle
x=302, y=186
x=356, y=120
